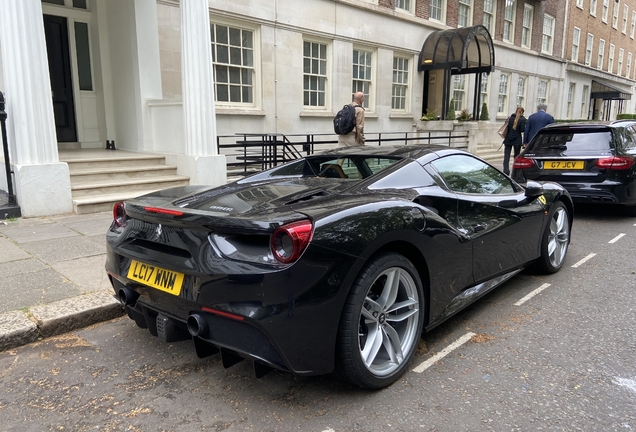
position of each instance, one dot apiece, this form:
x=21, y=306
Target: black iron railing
x=11, y=208
x=248, y=153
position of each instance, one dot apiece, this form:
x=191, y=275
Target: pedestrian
x=356, y=136
x=535, y=122
x=516, y=126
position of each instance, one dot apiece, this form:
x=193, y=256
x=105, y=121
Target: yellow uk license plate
x=165, y=280
x=563, y=165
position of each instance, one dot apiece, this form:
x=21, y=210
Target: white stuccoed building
x=145, y=74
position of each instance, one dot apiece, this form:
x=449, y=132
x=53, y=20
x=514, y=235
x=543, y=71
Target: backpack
x=345, y=120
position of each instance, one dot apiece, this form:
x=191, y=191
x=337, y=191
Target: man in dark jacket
x=537, y=121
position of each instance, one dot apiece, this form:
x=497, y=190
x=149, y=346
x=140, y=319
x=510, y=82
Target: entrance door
x=56, y=32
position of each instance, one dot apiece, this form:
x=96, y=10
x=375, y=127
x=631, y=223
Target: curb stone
x=16, y=329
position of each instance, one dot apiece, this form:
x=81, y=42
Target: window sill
x=401, y=115
x=239, y=111
x=309, y=113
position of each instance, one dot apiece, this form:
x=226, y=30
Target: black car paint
x=409, y=214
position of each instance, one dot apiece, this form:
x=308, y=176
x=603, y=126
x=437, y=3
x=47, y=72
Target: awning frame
x=457, y=51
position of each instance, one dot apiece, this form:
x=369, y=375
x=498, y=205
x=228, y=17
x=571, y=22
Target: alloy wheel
x=389, y=321
x=559, y=237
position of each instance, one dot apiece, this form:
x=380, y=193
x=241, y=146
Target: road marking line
x=617, y=238
x=443, y=353
x=532, y=294
x=624, y=382
x=590, y=256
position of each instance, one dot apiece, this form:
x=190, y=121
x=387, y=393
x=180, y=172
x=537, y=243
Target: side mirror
x=534, y=189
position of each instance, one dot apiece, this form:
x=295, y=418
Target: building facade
x=136, y=72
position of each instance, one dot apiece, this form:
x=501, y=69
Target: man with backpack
x=355, y=136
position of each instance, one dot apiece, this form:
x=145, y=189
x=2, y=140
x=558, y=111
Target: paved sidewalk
x=52, y=276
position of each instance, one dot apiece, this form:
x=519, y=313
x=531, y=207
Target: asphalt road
x=536, y=357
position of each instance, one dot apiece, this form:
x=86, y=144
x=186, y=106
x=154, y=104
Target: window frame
x=605, y=11
x=256, y=68
x=589, y=49
x=570, y=100
x=550, y=36
x=593, y=7
x=625, y=14
x=409, y=9
x=545, y=89
x=369, y=100
x=522, y=82
x=502, y=98
x=492, y=14
x=461, y=79
x=484, y=89
x=576, y=41
x=465, y=4
x=601, y=54
x=619, y=66
x=615, y=13
x=628, y=68
x=579, y=4
x=442, y=11
x=326, y=76
x=406, y=97
x=584, y=101
x=633, y=25
x=526, y=31
x=610, y=58
x=509, y=21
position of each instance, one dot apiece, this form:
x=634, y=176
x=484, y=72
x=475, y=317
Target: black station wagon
x=593, y=161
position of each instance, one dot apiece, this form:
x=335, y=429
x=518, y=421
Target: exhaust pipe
x=197, y=325
x=127, y=297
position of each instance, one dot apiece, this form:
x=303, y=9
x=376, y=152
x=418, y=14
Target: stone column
x=204, y=164
x=42, y=182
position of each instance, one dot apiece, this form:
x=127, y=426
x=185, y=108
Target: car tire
x=381, y=323
x=555, y=239
x=630, y=210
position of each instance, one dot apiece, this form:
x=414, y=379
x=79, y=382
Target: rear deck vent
x=159, y=247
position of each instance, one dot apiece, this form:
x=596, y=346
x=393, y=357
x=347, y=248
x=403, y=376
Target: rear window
x=557, y=142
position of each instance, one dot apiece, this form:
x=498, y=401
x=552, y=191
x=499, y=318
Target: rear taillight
x=119, y=214
x=615, y=163
x=522, y=163
x=289, y=241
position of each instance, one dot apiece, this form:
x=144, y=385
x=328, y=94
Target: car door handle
x=477, y=228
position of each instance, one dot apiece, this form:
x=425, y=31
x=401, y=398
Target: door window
x=465, y=174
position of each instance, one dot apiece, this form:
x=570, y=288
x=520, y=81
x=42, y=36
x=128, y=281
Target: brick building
x=601, y=57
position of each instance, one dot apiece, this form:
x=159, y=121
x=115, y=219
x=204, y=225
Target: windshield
x=355, y=167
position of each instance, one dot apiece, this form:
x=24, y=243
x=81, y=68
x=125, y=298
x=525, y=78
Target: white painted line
x=443, y=353
x=624, y=382
x=532, y=294
x=590, y=256
x=617, y=238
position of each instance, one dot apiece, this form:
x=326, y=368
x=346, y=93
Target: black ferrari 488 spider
x=334, y=262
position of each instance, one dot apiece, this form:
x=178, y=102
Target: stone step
x=104, y=202
x=98, y=173
x=114, y=161
x=99, y=187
